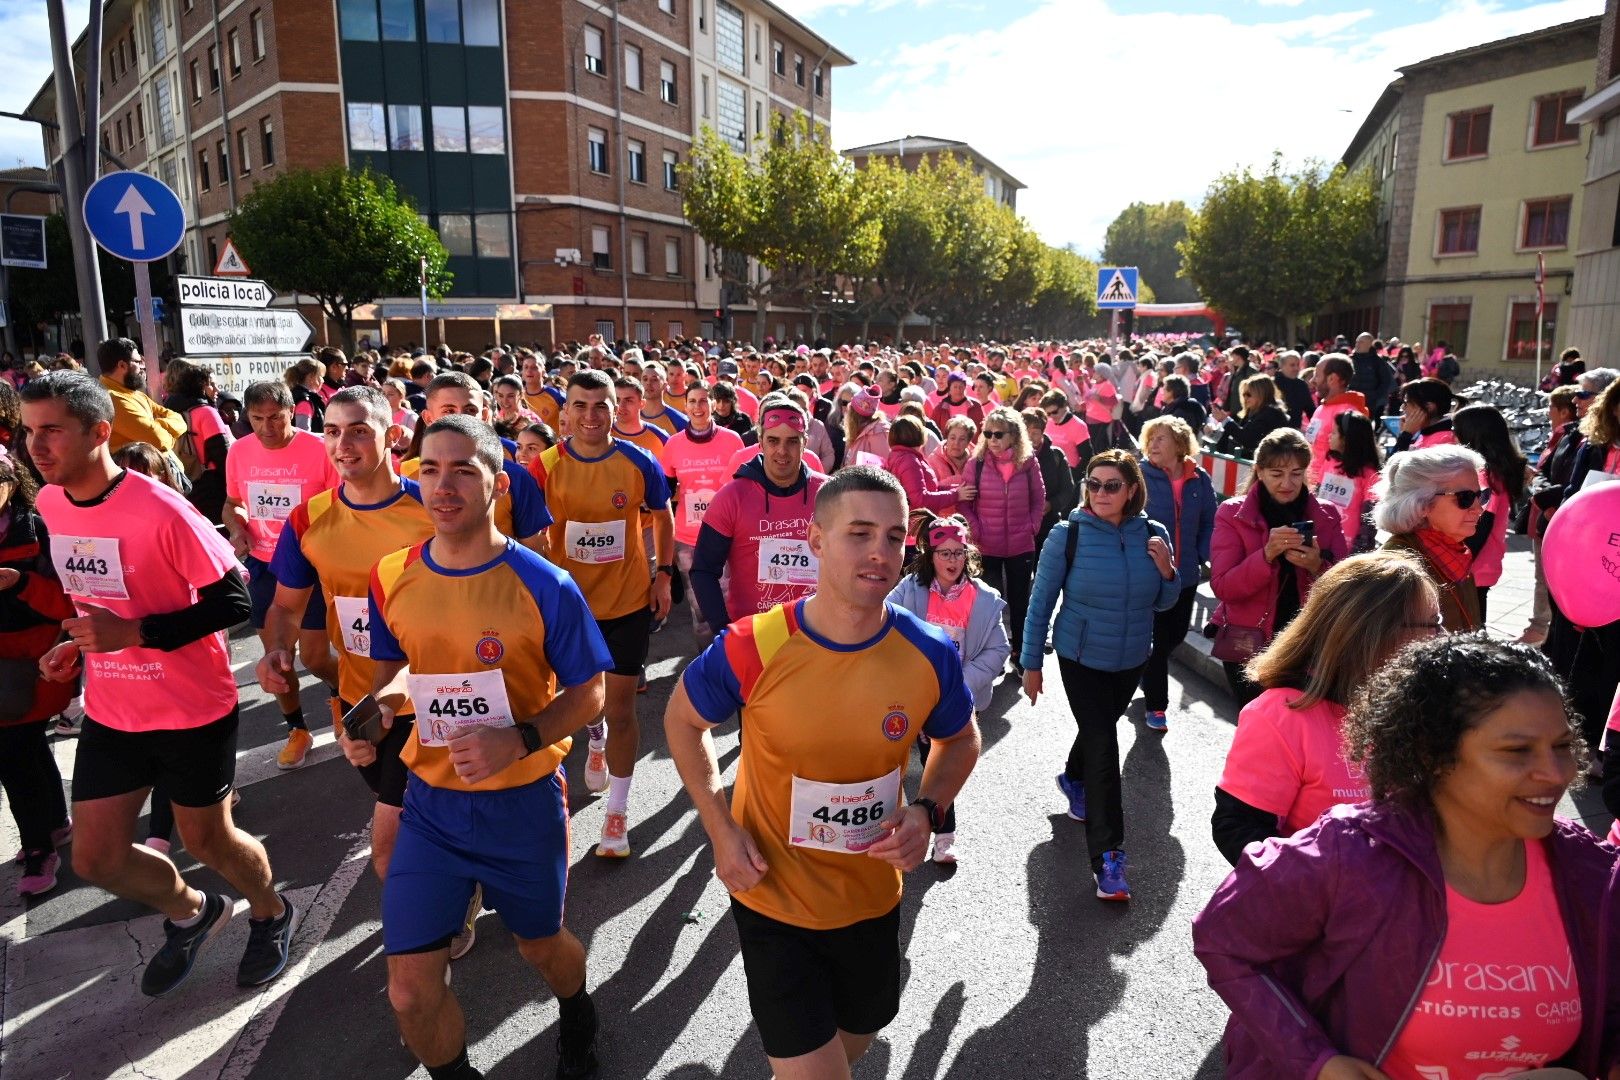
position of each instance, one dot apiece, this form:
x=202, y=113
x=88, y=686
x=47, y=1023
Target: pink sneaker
x=39, y=873
x=61, y=836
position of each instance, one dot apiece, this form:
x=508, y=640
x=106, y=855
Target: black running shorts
x=195, y=767
x=628, y=638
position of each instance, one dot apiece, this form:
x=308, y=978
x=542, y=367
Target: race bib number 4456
x=446, y=704
x=846, y=818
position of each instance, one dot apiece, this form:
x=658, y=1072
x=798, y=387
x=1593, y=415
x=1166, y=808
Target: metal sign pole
x=87, y=269
x=143, y=311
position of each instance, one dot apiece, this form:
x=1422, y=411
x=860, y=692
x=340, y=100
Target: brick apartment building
x=911, y=151
x=540, y=138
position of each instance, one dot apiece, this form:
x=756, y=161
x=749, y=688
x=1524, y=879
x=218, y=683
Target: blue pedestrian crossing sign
x=1116, y=287
x=134, y=216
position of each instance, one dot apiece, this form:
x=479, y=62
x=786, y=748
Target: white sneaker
x=596, y=773
x=945, y=848
x=615, y=842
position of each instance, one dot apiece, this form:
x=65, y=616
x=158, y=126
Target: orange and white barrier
x=1230, y=475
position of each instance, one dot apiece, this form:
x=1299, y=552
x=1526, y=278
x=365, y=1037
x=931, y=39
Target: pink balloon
x=1580, y=553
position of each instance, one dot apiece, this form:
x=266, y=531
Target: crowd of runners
x=468, y=556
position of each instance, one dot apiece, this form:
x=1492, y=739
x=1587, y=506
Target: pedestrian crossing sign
x=1116, y=287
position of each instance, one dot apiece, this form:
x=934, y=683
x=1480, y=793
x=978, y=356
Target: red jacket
x=31, y=613
x=1243, y=581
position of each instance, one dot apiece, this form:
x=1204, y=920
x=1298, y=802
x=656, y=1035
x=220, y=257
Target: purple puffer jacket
x=1320, y=943
x=1243, y=581
x=1007, y=514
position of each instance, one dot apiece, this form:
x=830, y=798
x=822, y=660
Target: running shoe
x=576, y=1047
x=171, y=964
x=1156, y=720
x=39, y=873
x=615, y=844
x=61, y=836
x=945, y=848
x=1111, y=882
x=1075, y=792
x=158, y=844
x=67, y=724
x=462, y=943
x=293, y=754
x=596, y=776
x=269, y=943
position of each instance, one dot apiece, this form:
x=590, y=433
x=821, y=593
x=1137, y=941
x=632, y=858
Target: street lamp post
x=76, y=160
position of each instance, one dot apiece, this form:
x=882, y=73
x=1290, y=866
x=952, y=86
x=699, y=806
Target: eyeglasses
x=952, y=555
x=1468, y=496
x=1585, y=395
x=1112, y=487
x=997, y=434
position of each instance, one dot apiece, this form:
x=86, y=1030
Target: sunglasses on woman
x=996, y=434
x=1112, y=487
x=1468, y=496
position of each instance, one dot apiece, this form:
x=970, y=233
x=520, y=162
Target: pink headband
x=947, y=530
x=780, y=417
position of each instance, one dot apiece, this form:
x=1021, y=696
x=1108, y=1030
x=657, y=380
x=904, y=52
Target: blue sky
x=1093, y=104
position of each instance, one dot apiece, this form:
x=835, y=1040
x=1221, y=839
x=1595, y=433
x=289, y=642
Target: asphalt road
x=1013, y=968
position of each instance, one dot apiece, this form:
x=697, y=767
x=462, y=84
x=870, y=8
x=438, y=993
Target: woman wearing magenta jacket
x=1003, y=498
x=1450, y=927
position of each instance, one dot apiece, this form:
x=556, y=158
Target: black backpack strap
x=1071, y=542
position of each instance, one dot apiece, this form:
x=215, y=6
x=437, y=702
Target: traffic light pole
x=86, y=267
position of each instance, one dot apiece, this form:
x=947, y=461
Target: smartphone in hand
x=364, y=721
x=1306, y=530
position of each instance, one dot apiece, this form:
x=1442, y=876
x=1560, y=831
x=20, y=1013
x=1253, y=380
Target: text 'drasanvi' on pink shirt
x=1290, y=762
x=269, y=483
x=144, y=551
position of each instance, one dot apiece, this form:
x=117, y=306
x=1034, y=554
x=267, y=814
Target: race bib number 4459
x=594, y=541
x=846, y=818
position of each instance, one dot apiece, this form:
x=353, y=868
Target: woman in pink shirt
x=1483, y=430
x=949, y=460
x=1286, y=764
x=1352, y=468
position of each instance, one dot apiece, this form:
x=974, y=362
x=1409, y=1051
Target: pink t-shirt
x=1069, y=437
x=1290, y=762
x=1347, y=494
x=743, y=514
x=746, y=454
x=1614, y=726
x=702, y=468
x=952, y=616
x=205, y=424
x=1488, y=563
x=144, y=550
x=269, y=483
x=1502, y=997
x=748, y=402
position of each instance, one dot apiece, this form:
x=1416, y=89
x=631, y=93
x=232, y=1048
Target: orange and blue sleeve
x=384, y=576
x=717, y=682
x=288, y=565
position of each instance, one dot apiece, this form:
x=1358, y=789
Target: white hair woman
x=1430, y=501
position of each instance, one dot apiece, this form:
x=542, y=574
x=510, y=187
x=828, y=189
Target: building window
x=196, y=81
x=821, y=85
x=1449, y=323
x=243, y=161
x=256, y=25
x=643, y=331
x=233, y=49
x=1546, y=223
x=638, y=253
x=367, y=131
x=672, y=175
x=494, y=238
x=160, y=37
x=1459, y=231
x=442, y=21
x=632, y=67
x=213, y=68
x=405, y=128
x=666, y=82
x=399, y=20
x=224, y=160
x=1470, y=135
x=163, y=99
x=778, y=58
x=140, y=122
x=1551, y=126
x=601, y=252
x=667, y=6
x=732, y=114
x=358, y=19
x=1521, y=342
x=759, y=117
x=703, y=16
x=595, y=54
x=481, y=22
x=596, y=143
x=798, y=69
x=486, y=129
x=636, y=151
x=677, y=330
x=267, y=141
x=672, y=256
x=455, y=230
x=705, y=97
x=728, y=38
x=213, y=252
x=449, y=129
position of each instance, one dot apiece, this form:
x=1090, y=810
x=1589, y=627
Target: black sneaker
x=576, y=1048
x=268, y=945
x=173, y=962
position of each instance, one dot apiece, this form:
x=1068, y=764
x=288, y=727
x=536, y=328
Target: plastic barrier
x=1229, y=474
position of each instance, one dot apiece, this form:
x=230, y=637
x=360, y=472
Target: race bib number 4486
x=846, y=818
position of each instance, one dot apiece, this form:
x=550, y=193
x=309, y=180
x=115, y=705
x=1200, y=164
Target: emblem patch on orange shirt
x=489, y=649
x=895, y=725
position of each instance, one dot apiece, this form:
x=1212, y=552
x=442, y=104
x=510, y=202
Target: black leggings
x=1243, y=691
x=1098, y=699
x=33, y=784
x=1481, y=590
x=1169, y=629
x=1011, y=575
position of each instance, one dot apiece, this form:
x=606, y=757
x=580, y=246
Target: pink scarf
x=1003, y=461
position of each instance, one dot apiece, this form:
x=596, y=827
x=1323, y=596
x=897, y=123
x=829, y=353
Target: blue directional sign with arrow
x=134, y=216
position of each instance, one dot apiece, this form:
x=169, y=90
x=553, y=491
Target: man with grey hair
x=1374, y=378
x=1296, y=396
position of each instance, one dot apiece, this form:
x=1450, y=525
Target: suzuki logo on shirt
x=1510, y=1043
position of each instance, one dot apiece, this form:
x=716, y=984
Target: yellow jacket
x=137, y=418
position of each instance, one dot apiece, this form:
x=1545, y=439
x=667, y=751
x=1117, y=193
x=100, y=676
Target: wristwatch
x=531, y=738
x=936, y=815
x=668, y=568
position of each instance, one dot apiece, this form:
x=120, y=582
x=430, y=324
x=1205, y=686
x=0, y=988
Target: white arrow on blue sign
x=134, y=216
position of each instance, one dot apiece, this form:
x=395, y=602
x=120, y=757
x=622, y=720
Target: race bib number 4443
x=447, y=704
x=846, y=818
x=89, y=567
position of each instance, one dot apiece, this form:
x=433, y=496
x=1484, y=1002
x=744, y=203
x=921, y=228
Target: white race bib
x=272, y=502
x=354, y=621
x=89, y=567
x=694, y=504
x=446, y=704
x=1313, y=429
x=847, y=818
x=1336, y=489
x=1594, y=478
x=786, y=562
x=864, y=458
x=594, y=541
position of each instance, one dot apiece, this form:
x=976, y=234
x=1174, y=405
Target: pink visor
x=782, y=418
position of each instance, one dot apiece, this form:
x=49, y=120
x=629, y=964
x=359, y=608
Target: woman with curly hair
x=1452, y=925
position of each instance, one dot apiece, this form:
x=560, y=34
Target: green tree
x=344, y=237
x=796, y=207
x=45, y=296
x=1267, y=249
x=1067, y=300
x=1145, y=235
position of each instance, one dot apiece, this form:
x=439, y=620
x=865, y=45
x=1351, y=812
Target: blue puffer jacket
x=1198, y=504
x=1109, y=594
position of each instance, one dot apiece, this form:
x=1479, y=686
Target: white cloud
x=25, y=57
x=1095, y=107
x=1279, y=3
